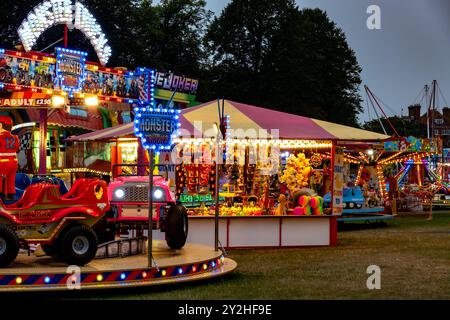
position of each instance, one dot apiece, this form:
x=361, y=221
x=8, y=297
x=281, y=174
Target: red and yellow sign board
x=18, y=100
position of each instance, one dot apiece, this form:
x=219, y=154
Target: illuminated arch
x=76, y=15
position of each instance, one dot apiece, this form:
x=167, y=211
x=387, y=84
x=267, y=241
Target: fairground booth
x=54, y=205
x=392, y=175
x=282, y=178
x=49, y=102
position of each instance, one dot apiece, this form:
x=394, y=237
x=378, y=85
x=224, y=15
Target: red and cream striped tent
x=196, y=120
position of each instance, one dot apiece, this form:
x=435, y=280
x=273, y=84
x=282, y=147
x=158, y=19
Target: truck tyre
x=78, y=245
x=177, y=227
x=9, y=245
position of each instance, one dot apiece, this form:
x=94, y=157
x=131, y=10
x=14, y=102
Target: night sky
x=411, y=49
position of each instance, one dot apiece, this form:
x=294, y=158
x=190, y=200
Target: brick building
x=439, y=122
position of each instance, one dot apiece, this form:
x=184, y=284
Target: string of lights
x=75, y=15
x=390, y=157
x=415, y=157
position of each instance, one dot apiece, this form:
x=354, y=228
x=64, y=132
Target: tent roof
x=197, y=120
x=289, y=126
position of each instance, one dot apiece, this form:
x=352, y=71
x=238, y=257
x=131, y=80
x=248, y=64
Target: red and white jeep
x=63, y=225
x=128, y=194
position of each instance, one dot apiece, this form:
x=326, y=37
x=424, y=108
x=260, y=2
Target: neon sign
x=70, y=69
x=76, y=15
x=156, y=127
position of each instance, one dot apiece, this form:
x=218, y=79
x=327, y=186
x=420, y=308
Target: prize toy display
x=236, y=210
x=197, y=178
x=316, y=204
x=297, y=173
x=308, y=205
x=282, y=205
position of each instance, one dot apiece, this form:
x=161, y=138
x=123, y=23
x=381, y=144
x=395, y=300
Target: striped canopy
x=197, y=120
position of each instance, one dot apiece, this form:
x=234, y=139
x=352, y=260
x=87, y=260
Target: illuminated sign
x=173, y=82
x=156, y=127
x=70, y=69
x=18, y=100
x=17, y=103
x=68, y=12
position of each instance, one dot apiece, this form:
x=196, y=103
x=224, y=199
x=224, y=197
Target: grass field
x=413, y=254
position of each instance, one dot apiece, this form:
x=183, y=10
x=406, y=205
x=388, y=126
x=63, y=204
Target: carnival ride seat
x=78, y=189
x=53, y=180
x=34, y=195
x=22, y=182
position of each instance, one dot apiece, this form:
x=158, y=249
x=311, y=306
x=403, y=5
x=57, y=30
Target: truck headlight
x=119, y=193
x=158, y=194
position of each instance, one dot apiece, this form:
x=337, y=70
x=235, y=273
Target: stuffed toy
x=316, y=204
x=303, y=208
x=282, y=205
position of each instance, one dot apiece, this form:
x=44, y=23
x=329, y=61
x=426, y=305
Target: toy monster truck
x=61, y=224
x=128, y=195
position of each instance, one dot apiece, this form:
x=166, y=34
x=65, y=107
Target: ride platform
x=193, y=262
x=365, y=215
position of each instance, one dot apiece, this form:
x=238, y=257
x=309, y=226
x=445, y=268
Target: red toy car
x=61, y=224
x=128, y=196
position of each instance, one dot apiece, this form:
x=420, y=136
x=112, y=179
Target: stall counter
x=264, y=231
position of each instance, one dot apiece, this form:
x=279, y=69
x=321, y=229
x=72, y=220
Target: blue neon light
x=156, y=128
x=70, y=81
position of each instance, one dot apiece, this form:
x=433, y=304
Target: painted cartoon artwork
x=26, y=72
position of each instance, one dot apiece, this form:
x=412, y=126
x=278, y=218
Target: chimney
x=414, y=112
x=446, y=115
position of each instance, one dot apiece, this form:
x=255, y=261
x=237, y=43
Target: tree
x=237, y=41
x=404, y=126
x=312, y=70
x=182, y=24
x=273, y=54
x=167, y=36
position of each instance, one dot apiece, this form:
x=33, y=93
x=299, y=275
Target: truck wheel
x=177, y=227
x=9, y=245
x=78, y=245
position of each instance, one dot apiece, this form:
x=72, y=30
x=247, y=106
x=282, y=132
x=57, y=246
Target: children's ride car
x=128, y=194
x=63, y=225
x=353, y=198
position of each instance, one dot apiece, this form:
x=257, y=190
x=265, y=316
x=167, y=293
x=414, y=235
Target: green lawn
x=413, y=253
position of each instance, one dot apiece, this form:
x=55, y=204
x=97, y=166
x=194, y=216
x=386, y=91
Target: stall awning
x=196, y=120
x=119, y=131
x=62, y=119
x=289, y=126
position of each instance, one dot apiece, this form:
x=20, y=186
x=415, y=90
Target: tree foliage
x=263, y=52
x=404, y=126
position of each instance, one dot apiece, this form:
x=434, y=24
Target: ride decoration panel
x=37, y=72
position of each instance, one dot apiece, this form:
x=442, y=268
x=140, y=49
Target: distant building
x=439, y=122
